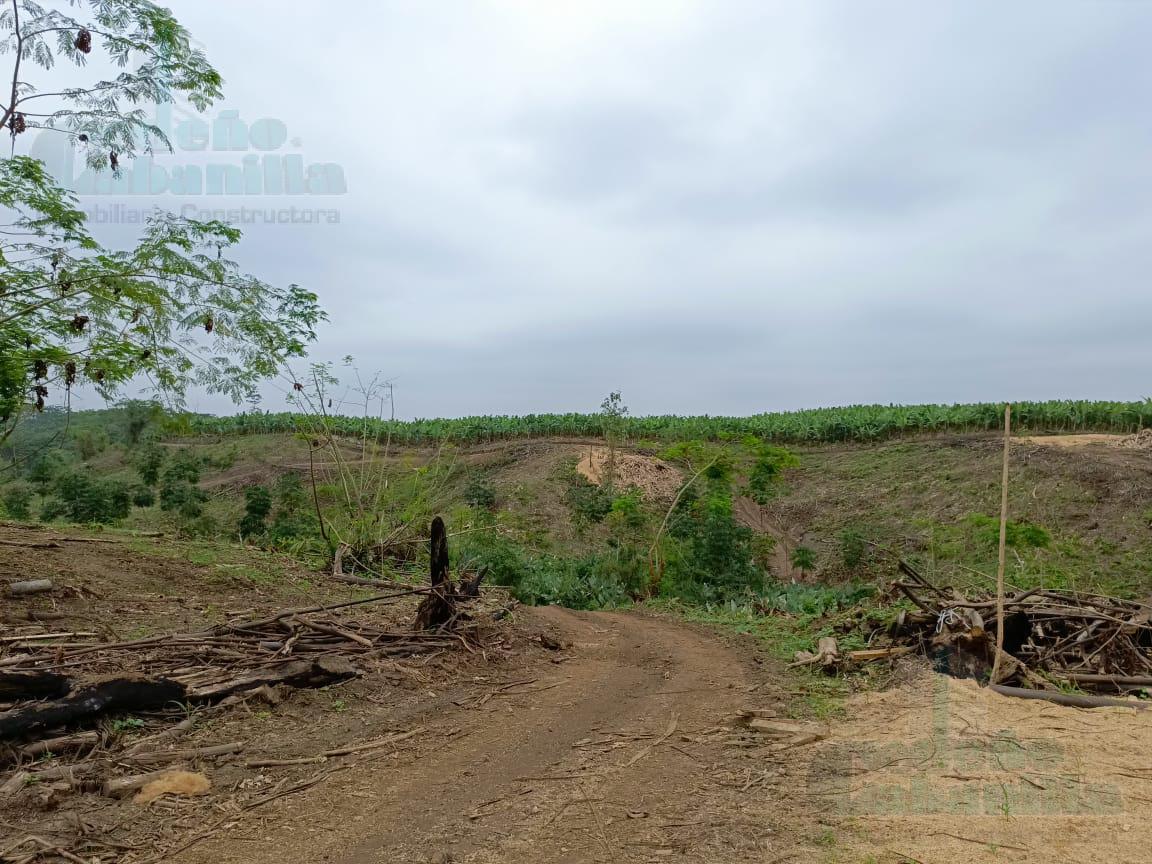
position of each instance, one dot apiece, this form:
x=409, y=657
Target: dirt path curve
x=596, y=758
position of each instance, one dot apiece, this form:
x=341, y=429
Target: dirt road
x=601, y=757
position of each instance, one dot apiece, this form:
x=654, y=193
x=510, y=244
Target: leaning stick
x=994, y=679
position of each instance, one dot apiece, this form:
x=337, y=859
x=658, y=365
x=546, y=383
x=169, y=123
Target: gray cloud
x=717, y=207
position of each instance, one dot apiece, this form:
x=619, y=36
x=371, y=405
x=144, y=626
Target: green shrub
x=257, y=506
x=149, y=462
x=764, y=479
x=139, y=416
x=45, y=468
x=709, y=556
x=814, y=600
x=223, y=461
x=608, y=578
x=90, y=443
x=853, y=548
x=294, y=517
x=80, y=498
x=143, y=496
x=17, y=499
x=803, y=559
x=178, y=491
x=480, y=494
x=589, y=502
x=626, y=511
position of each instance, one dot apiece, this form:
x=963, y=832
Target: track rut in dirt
x=590, y=759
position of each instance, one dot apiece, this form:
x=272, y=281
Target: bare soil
x=939, y=769
x=1081, y=440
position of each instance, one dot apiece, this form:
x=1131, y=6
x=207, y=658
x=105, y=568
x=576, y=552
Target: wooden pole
x=994, y=678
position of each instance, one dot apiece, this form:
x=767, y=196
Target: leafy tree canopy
x=173, y=312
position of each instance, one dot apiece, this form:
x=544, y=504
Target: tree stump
x=439, y=607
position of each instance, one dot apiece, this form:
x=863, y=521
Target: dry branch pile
x=1050, y=637
x=55, y=687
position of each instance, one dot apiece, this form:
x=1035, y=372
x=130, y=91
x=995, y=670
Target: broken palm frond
x=1049, y=637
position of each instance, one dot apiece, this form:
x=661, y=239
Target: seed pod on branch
x=209, y=324
x=17, y=124
x=40, y=370
x=114, y=160
x=70, y=373
x=83, y=41
x=79, y=323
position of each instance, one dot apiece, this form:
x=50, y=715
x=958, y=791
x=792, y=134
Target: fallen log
x=122, y=695
x=869, y=655
x=76, y=776
x=59, y=745
x=31, y=586
x=21, y=686
x=161, y=756
x=301, y=673
x=1068, y=699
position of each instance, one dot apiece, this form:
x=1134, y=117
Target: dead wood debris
x=52, y=687
x=1052, y=639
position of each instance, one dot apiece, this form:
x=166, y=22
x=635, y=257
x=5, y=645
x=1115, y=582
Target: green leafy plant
x=803, y=559
x=127, y=724
x=709, y=556
x=179, y=493
x=613, y=412
x=257, y=506
x=590, y=502
x=1018, y=534
x=627, y=512
x=17, y=500
x=292, y=518
x=149, y=461
x=764, y=479
x=480, y=494
x=81, y=498
x=853, y=548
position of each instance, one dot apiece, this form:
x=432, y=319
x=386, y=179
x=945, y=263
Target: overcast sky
x=714, y=206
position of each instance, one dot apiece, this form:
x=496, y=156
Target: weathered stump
x=439, y=607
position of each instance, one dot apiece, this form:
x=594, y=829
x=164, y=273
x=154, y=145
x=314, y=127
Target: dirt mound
x=1142, y=440
x=657, y=480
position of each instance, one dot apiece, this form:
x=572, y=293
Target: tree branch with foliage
x=172, y=313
